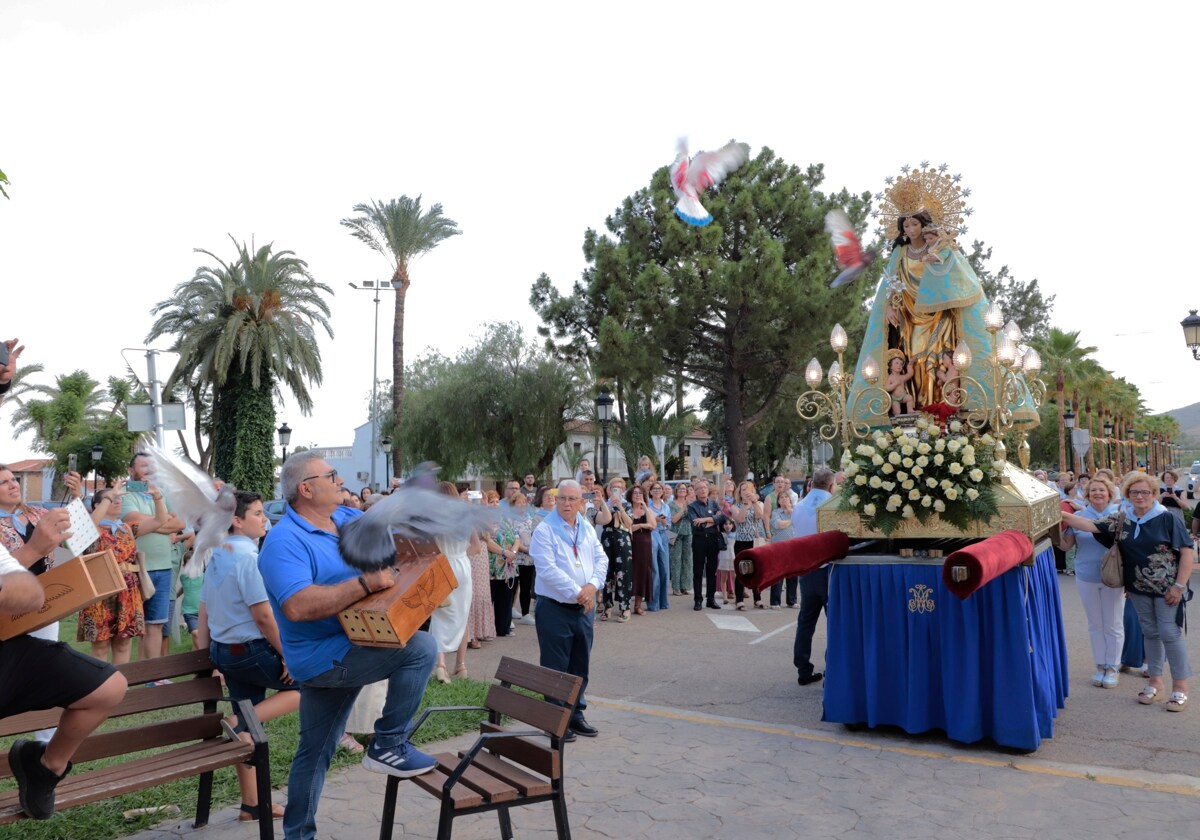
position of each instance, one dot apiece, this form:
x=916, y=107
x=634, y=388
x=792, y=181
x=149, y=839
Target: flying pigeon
x=194, y=499
x=414, y=510
x=847, y=249
x=707, y=169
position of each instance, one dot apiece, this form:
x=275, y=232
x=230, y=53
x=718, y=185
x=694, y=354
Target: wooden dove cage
x=390, y=617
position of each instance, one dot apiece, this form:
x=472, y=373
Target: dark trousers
x=564, y=634
x=814, y=595
x=525, y=579
x=502, y=598
x=792, y=583
x=739, y=591
x=705, y=548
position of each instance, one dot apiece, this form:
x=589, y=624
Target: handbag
x=144, y=581
x=1112, y=570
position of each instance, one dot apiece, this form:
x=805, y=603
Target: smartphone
x=3, y=354
x=72, y=463
x=136, y=486
x=591, y=495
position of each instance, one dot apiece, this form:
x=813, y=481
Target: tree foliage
x=634, y=435
x=244, y=329
x=400, y=232
x=733, y=308
x=501, y=407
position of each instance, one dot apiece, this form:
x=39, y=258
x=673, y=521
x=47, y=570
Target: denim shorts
x=158, y=608
x=251, y=671
x=191, y=620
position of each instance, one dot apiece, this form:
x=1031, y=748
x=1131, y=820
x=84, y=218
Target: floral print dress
x=618, y=586
x=119, y=616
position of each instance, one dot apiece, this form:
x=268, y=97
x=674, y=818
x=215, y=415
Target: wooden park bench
x=505, y=767
x=191, y=744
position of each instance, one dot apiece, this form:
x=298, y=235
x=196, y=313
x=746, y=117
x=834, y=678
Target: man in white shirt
x=571, y=567
x=814, y=586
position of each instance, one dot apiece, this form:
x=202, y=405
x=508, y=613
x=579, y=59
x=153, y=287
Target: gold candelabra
x=837, y=405
x=1014, y=380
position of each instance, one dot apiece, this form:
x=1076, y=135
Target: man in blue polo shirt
x=308, y=584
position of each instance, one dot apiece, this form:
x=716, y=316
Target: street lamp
x=604, y=404
x=97, y=456
x=1191, y=333
x=372, y=286
x=285, y=437
x=1108, y=433
x=386, y=445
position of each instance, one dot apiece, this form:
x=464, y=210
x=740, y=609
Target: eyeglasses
x=561, y=498
x=331, y=475
x=1133, y=493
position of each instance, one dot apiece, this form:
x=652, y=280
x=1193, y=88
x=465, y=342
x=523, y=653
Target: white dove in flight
x=195, y=499
x=706, y=169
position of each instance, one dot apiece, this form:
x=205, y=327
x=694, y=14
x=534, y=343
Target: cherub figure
x=899, y=373
x=947, y=372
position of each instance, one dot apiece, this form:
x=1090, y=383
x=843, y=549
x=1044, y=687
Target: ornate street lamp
x=97, y=457
x=1191, y=333
x=385, y=444
x=285, y=437
x=604, y=404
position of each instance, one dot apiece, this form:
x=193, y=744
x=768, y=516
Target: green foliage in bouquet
x=895, y=477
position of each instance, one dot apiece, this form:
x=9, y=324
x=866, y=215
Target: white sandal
x=1177, y=702
x=1148, y=695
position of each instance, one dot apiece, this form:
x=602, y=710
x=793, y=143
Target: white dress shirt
x=563, y=568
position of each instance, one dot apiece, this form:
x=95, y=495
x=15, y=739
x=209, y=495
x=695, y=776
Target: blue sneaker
x=403, y=761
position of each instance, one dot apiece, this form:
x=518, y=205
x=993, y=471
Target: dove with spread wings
x=847, y=249
x=692, y=177
x=195, y=499
x=414, y=510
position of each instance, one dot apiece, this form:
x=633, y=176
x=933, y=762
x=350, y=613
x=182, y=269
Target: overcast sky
x=133, y=133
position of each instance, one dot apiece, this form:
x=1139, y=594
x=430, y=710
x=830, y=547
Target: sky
x=135, y=132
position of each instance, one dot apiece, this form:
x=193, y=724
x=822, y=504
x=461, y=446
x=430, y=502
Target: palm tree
x=62, y=409
x=400, y=232
x=1061, y=353
x=246, y=328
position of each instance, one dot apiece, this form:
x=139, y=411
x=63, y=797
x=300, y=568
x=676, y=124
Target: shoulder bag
x=1112, y=570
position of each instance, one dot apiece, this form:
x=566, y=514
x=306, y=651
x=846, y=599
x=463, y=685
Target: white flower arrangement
x=899, y=477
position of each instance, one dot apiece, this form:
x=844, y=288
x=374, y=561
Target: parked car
x=1192, y=477
x=275, y=510
x=765, y=490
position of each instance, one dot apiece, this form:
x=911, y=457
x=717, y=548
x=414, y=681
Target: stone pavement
x=662, y=774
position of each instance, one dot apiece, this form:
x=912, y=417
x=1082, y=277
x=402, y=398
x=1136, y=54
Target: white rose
x=865, y=449
x=922, y=423
x=922, y=461
x=893, y=457
x=968, y=449
x=917, y=471
x=860, y=480
x=934, y=431
x=956, y=468
x=875, y=482
x=889, y=486
x=931, y=482
x=987, y=440
x=907, y=462
x=946, y=484
x=926, y=501
x=887, y=469
x=953, y=446
x=952, y=494
x=851, y=469
x=939, y=445
x=998, y=466
x=955, y=426
x=939, y=505
x=877, y=459
x=972, y=493
x=968, y=460
x=894, y=501
x=914, y=494
x=869, y=510
x=901, y=476
x=908, y=512
x=854, y=501
x=924, y=448
x=939, y=459
x=906, y=450
x=845, y=457
x=908, y=485
x=976, y=474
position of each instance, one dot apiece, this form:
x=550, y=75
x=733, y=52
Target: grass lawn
x=104, y=820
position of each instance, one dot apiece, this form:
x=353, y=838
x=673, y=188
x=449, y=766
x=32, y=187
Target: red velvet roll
x=760, y=567
x=986, y=560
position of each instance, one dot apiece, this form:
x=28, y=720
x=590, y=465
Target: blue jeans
x=1164, y=637
x=249, y=673
x=325, y=702
x=660, y=563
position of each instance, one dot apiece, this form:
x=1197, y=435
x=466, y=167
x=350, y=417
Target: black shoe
x=698, y=606
x=568, y=736
x=814, y=677
x=35, y=783
x=579, y=726
x=713, y=605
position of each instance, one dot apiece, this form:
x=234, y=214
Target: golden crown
x=926, y=188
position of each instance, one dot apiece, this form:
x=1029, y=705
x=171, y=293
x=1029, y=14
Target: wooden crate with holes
x=390, y=617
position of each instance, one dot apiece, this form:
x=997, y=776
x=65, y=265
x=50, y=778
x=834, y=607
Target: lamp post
x=1069, y=424
x=285, y=437
x=1191, y=333
x=386, y=445
x=604, y=404
x=372, y=286
x=1108, y=433
x=97, y=456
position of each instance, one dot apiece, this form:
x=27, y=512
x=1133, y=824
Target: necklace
x=914, y=251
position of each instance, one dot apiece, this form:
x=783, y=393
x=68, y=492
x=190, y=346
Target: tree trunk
x=400, y=284
x=1062, y=426
x=1091, y=456
x=736, y=446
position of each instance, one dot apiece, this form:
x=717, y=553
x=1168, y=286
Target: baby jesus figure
x=947, y=372
x=899, y=373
